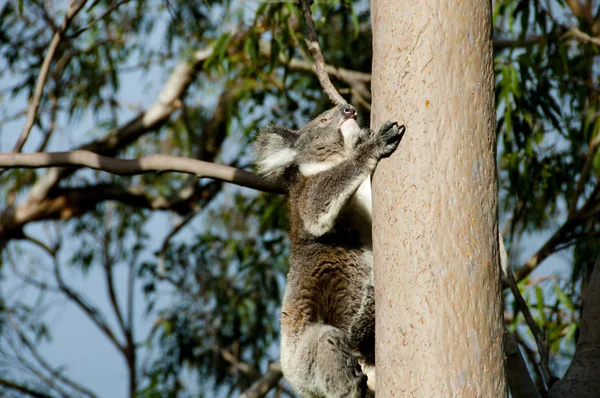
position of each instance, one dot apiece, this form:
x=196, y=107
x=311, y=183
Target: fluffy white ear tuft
x=275, y=149
x=276, y=162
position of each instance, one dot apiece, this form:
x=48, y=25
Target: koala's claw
x=389, y=136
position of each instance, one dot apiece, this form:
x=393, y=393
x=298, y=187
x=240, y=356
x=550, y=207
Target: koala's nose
x=349, y=110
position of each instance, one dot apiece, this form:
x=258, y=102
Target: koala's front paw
x=388, y=137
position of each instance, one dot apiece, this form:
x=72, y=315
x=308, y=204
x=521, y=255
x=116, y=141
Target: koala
x=328, y=309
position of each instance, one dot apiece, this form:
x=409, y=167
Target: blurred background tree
x=183, y=277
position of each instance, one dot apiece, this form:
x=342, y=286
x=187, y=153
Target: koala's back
x=331, y=280
x=331, y=289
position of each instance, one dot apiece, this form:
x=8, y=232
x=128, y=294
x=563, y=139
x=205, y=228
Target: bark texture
x=438, y=302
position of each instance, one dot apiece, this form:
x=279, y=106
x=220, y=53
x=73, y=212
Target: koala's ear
x=275, y=149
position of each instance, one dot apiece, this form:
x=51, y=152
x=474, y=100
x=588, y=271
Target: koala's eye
x=323, y=120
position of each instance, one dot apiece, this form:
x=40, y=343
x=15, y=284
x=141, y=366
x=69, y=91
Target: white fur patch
x=325, y=222
x=350, y=130
x=277, y=160
x=370, y=372
x=309, y=169
x=362, y=201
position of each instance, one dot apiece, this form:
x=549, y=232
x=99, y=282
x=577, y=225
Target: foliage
x=205, y=263
x=547, y=100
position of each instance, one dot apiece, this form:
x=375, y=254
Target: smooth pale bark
x=438, y=303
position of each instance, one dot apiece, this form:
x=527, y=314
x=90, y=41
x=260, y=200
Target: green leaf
x=355, y=22
x=563, y=298
x=219, y=51
x=539, y=295
x=275, y=50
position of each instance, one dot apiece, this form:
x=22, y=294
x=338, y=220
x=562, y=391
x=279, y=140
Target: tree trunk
x=438, y=303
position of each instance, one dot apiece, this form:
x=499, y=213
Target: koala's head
x=325, y=141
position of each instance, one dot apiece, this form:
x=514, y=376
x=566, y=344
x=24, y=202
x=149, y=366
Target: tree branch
x=93, y=313
x=153, y=117
x=517, y=374
x=576, y=8
x=50, y=129
x=101, y=17
x=589, y=210
x=538, y=334
x=167, y=240
x=235, y=362
x=583, y=37
x=263, y=385
x=501, y=44
x=56, y=374
x=143, y=165
x=49, y=380
x=23, y=389
x=110, y=283
x=359, y=81
x=531, y=357
x=72, y=10
x=313, y=46
x=65, y=203
x=347, y=75
x=583, y=376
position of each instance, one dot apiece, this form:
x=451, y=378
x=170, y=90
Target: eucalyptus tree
x=191, y=269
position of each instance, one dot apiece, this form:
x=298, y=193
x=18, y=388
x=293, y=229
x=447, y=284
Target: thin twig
x=48, y=380
x=167, y=240
x=517, y=375
x=583, y=37
x=312, y=43
x=46, y=15
x=589, y=210
x=242, y=366
x=576, y=8
x=539, y=379
x=154, y=116
x=48, y=368
x=110, y=282
x=93, y=313
x=101, y=17
x=42, y=245
x=23, y=389
x=50, y=129
x=501, y=44
x=538, y=334
x=72, y=10
x=359, y=81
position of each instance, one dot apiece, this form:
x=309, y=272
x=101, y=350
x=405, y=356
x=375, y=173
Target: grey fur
x=328, y=310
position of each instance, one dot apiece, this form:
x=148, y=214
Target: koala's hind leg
x=323, y=365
